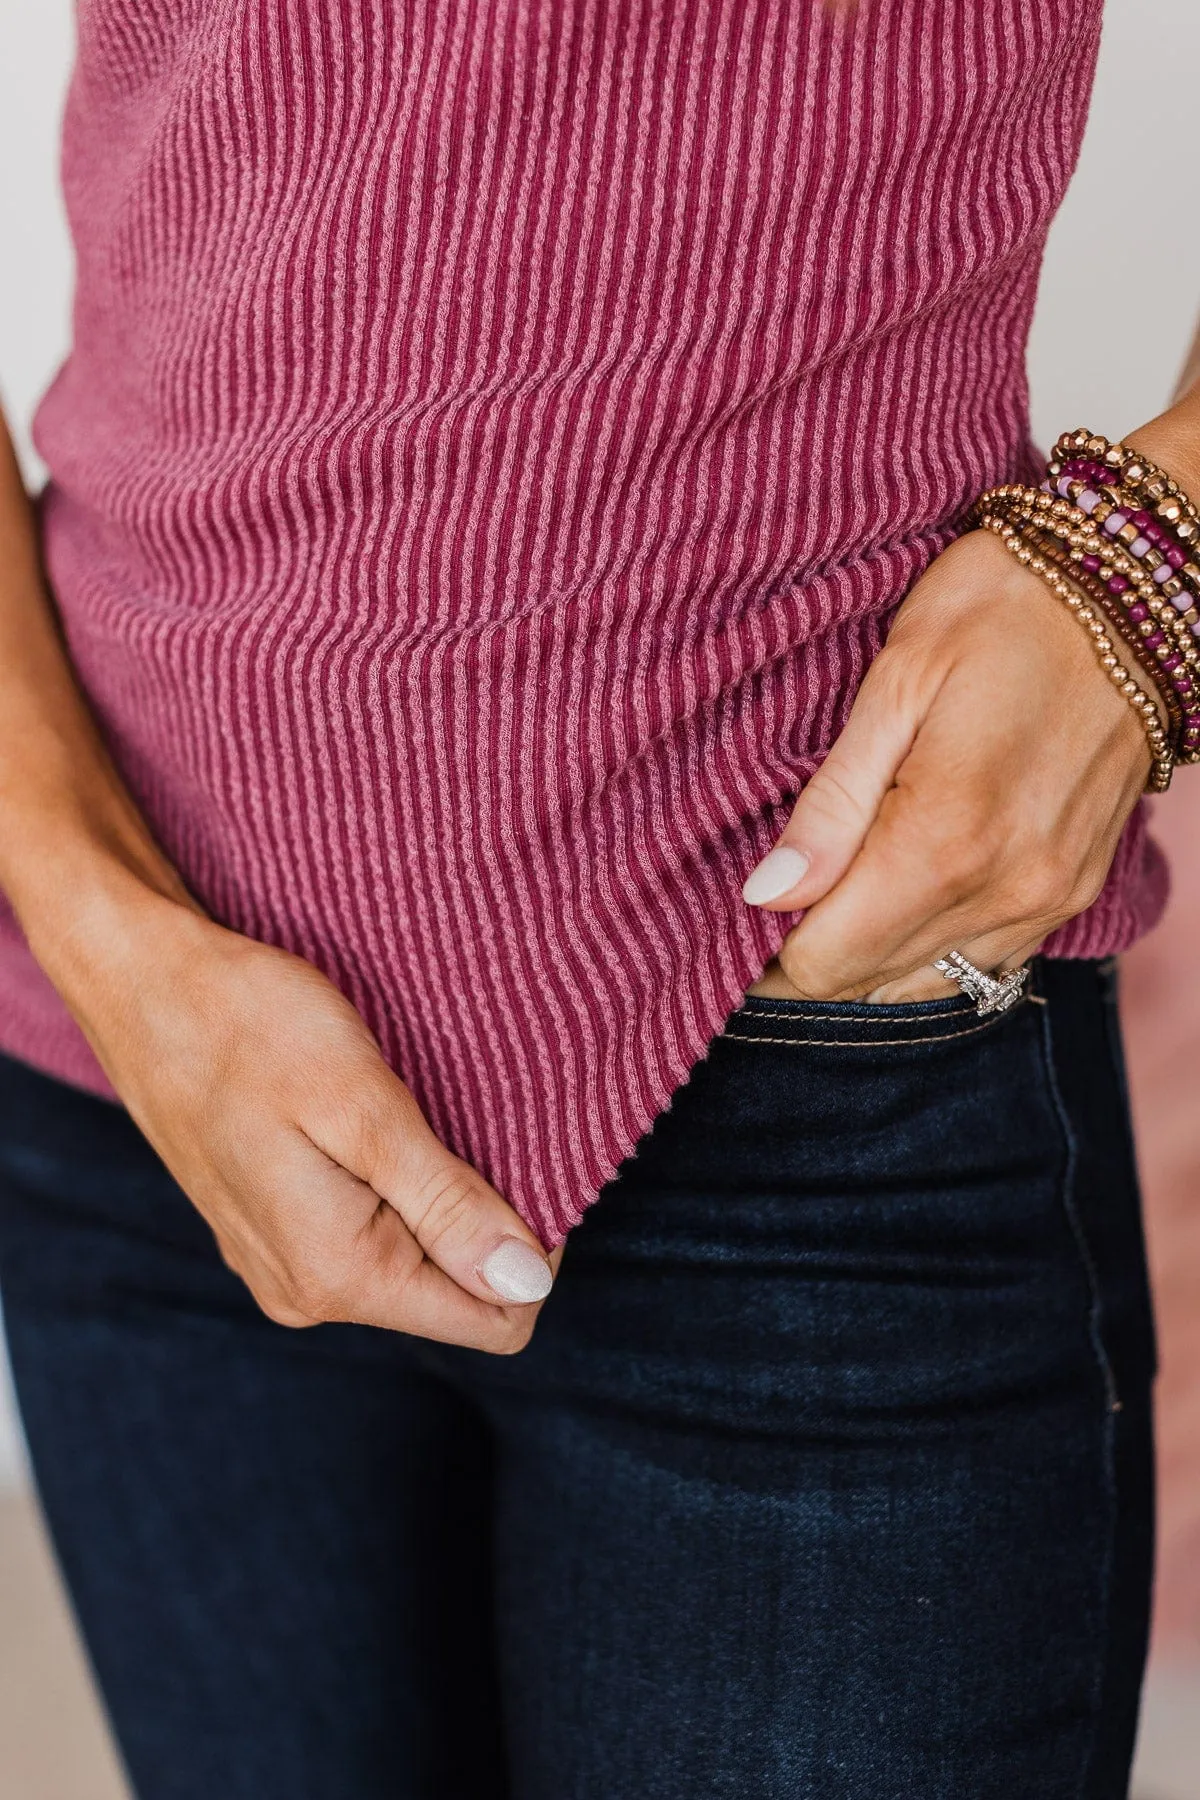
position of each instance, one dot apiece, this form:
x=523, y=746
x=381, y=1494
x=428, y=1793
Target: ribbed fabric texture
x=496, y=437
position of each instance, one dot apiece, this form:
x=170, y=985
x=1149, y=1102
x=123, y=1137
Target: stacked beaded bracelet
x=1160, y=517
x=1129, y=598
x=1096, y=590
x=1119, y=542
x=1132, y=577
x=1137, y=505
x=1055, y=546
x=1016, y=515
x=1162, y=761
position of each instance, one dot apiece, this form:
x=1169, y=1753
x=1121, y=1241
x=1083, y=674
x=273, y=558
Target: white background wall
x=1120, y=293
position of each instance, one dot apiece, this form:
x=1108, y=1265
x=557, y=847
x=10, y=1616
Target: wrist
x=86, y=888
x=1172, y=440
x=1117, y=536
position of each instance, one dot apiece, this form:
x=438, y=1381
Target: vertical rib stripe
x=496, y=437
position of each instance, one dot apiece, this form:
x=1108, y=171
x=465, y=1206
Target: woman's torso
x=495, y=438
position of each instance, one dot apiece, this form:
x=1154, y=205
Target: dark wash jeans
x=827, y=1473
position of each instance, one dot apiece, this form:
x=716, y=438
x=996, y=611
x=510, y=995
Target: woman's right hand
x=268, y=1099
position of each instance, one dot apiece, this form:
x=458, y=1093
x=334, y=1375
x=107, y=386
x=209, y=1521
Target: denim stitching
x=936, y=1037
x=1095, y=1315
x=1072, y=1212
x=784, y=1011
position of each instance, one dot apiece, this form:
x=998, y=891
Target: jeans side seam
x=1112, y=1402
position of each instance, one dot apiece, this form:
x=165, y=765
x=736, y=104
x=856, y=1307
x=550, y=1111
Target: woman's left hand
x=973, y=801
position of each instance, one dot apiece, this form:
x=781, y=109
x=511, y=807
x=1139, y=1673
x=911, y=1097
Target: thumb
x=460, y=1222
x=838, y=807
x=463, y=1225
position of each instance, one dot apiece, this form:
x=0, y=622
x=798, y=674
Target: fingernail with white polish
x=778, y=871
x=516, y=1272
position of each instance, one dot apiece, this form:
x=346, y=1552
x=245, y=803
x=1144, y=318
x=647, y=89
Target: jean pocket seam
x=783, y=1010
x=866, y=1043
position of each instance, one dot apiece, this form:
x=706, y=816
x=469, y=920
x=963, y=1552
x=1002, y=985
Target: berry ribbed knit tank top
x=496, y=436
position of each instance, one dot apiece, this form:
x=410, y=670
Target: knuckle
x=830, y=798
x=1044, y=885
x=896, y=679
x=1043, y=895
x=350, y=1126
x=280, y=1299
x=447, y=1208
x=1084, y=890
x=965, y=865
x=807, y=975
x=381, y=1129
x=365, y=1119
x=282, y=1311
x=311, y=1296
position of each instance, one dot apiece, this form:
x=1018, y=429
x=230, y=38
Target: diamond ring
x=991, y=993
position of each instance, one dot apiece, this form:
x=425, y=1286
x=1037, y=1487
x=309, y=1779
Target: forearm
x=1173, y=438
x=74, y=850
x=1190, y=376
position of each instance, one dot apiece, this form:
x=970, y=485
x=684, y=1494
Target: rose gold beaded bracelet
x=1162, y=761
